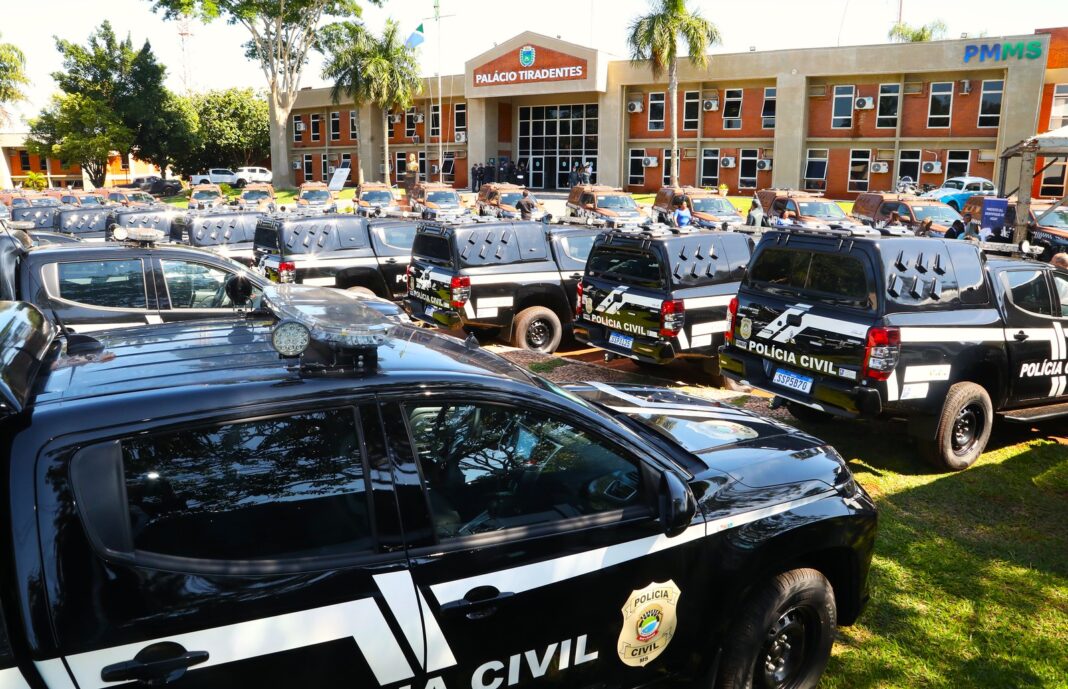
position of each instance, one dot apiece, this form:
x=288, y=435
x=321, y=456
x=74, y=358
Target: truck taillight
x=460, y=286
x=881, y=353
x=578, y=300
x=732, y=313
x=672, y=317
x=408, y=276
x=287, y=271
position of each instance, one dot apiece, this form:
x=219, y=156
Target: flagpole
x=441, y=106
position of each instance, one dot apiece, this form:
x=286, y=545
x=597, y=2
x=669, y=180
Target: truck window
x=627, y=266
x=206, y=493
x=578, y=247
x=113, y=284
x=432, y=247
x=1029, y=291
x=397, y=236
x=267, y=237
x=839, y=277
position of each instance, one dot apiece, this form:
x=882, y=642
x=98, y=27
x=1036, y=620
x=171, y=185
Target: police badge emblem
x=745, y=328
x=648, y=623
x=527, y=55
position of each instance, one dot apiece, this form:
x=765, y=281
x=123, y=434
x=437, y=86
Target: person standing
x=683, y=217
x=526, y=206
x=573, y=177
x=476, y=171
x=756, y=214
x=587, y=173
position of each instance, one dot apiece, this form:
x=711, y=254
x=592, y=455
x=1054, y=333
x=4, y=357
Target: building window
x=842, y=107
x=636, y=167
x=859, y=167
x=459, y=123
x=1053, y=180
x=889, y=104
x=667, y=166
x=710, y=167
x=326, y=168
x=435, y=120
x=656, y=112
x=816, y=169
x=400, y=168
x=448, y=168
x=43, y=162
x=353, y=126
x=767, y=113
x=346, y=160
x=307, y=167
x=747, y=168
x=957, y=163
x=940, y=107
x=732, y=109
x=1058, y=114
x=24, y=160
x=990, y=103
x=409, y=123
x=908, y=165
x=297, y=122
x=691, y=111
x=124, y=162
x=315, y=134
x=335, y=126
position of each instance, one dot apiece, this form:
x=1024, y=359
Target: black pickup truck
x=658, y=293
x=226, y=232
x=946, y=333
x=515, y=279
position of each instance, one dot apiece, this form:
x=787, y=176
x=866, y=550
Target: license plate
x=429, y=310
x=794, y=381
x=621, y=340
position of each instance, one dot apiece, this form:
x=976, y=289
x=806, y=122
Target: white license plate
x=794, y=381
x=621, y=340
x=429, y=310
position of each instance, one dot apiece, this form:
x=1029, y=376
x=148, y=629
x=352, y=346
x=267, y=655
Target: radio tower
x=185, y=33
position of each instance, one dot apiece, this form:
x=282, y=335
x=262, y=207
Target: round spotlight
x=290, y=338
x=119, y=234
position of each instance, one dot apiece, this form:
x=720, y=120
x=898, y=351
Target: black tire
x=963, y=428
x=365, y=291
x=782, y=636
x=808, y=414
x=538, y=329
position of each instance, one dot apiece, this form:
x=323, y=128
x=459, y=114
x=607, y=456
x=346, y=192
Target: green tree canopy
x=904, y=33
x=12, y=78
x=281, y=34
x=78, y=128
x=654, y=37
x=232, y=130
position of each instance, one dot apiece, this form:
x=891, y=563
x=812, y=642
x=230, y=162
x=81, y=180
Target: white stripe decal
x=891, y=387
x=701, y=341
x=413, y=615
x=684, y=342
x=358, y=619
x=709, y=327
x=646, y=404
x=711, y=414
x=153, y=319
x=302, y=263
x=93, y=327
x=486, y=313
x=952, y=335
x=54, y=673
x=919, y=374
x=536, y=575
x=550, y=276
x=706, y=302
x=912, y=391
x=494, y=302
x=469, y=310
x=1058, y=385
x=319, y=282
x=12, y=678
x=1061, y=350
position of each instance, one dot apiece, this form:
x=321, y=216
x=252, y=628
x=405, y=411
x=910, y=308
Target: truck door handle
x=793, y=319
x=479, y=602
x=157, y=664
x=1020, y=336
x=576, y=276
x=391, y=260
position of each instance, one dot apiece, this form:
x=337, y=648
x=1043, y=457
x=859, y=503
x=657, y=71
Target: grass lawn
x=970, y=575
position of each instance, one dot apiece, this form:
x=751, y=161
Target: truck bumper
x=436, y=316
x=646, y=349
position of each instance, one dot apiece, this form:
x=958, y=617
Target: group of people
x=510, y=172
x=580, y=174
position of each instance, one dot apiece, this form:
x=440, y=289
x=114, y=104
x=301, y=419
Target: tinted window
x=432, y=247
x=1029, y=291
x=578, y=246
x=488, y=468
x=115, y=284
x=195, y=285
x=639, y=268
x=398, y=236
x=836, y=275
x=272, y=488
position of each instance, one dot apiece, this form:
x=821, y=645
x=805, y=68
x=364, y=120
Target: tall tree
x=173, y=130
x=379, y=70
x=78, y=128
x=282, y=32
x=12, y=78
x=904, y=33
x=232, y=130
x=654, y=37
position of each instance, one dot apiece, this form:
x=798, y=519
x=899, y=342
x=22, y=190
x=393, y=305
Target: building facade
x=838, y=120
x=16, y=161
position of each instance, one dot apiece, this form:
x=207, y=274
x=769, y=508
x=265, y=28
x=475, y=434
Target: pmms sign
x=1000, y=52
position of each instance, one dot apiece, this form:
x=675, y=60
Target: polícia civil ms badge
x=648, y=623
x=527, y=55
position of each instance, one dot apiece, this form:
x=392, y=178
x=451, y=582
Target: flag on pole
x=415, y=39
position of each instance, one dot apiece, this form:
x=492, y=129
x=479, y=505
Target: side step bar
x=1051, y=411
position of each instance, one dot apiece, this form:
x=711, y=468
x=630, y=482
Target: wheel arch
x=364, y=277
x=987, y=369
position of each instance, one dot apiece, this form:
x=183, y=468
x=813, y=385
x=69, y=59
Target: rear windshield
x=432, y=247
x=836, y=278
x=626, y=266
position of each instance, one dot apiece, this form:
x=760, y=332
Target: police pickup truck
x=660, y=293
x=942, y=332
x=332, y=250
x=300, y=497
x=512, y=278
x=226, y=232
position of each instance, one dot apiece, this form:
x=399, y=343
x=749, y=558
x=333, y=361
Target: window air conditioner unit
x=634, y=106
x=710, y=104
x=394, y=118
x=298, y=126
x=332, y=169
x=650, y=161
x=726, y=161
x=880, y=168
x=296, y=165
x=764, y=164
x=965, y=87
x=419, y=118
x=865, y=103
x=461, y=137
x=932, y=167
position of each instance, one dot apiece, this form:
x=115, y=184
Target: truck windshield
x=510, y=199
x=821, y=209
x=1058, y=218
x=943, y=215
x=200, y=195
x=716, y=205
x=630, y=267
x=90, y=201
x=255, y=195
x=617, y=202
x=383, y=197
x=834, y=278
x=315, y=195
x=443, y=198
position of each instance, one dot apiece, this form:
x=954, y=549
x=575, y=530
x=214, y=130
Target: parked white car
x=216, y=175
x=248, y=175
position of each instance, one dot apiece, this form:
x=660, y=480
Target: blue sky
x=216, y=60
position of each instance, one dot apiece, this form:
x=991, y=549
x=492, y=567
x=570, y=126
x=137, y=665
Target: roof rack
x=1024, y=248
x=656, y=230
x=828, y=231
x=791, y=192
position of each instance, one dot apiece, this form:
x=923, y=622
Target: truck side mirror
x=676, y=503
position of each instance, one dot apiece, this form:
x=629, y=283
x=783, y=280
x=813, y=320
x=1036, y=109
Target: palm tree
x=903, y=33
x=654, y=37
x=12, y=78
x=373, y=70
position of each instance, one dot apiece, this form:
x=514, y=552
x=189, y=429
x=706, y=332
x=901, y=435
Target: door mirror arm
x=676, y=504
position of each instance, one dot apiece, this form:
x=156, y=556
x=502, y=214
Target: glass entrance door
x=559, y=136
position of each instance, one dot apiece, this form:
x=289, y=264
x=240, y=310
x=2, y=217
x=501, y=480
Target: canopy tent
x=1052, y=145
